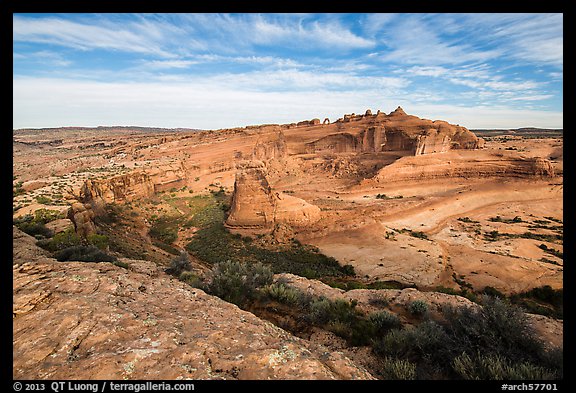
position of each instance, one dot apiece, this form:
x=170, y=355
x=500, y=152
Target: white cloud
x=45, y=57
x=88, y=36
x=56, y=102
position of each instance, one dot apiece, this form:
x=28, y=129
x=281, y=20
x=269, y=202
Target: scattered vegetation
x=17, y=189
x=542, y=300
x=417, y=234
x=164, y=229
x=496, y=333
x=43, y=200
x=384, y=196
x=398, y=369
x=514, y=220
x=35, y=225
x=495, y=235
x=212, y=243
x=83, y=253
x=551, y=251
x=468, y=220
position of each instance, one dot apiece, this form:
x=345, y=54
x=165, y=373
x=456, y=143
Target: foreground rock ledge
x=76, y=320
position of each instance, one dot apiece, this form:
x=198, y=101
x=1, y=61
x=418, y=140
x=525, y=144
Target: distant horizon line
x=250, y=125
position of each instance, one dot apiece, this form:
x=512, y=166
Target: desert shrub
x=378, y=301
x=496, y=367
x=384, y=320
x=43, y=200
x=398, y=369
x=121, y=264
x=165, y=230
x=541, y=300
x=238, y=282
x=496, y=328
x=449, y=291
x=179, y=264
x=323, y=311
x=284, y=294
x=341, y=317
x=419, y=235
x=60, y=241
x=35, y=224
x=100, y=241
x=428, y=340
x=491, y=291
x=47, y=215
x=190, y=278
x=83, y=253
x=418, y=308
x=35, y=229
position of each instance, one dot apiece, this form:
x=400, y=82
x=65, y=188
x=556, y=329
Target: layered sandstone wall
x=489, y=165
x=116, y=189
x=394, y=132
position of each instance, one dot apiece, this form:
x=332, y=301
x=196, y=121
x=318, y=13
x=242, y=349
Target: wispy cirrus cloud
x=90, y=34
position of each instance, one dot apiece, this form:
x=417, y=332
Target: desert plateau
x=364, y=247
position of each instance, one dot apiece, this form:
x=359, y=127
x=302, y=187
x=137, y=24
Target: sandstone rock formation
x=395, y=132
x=118, y=188
x=256, y=207
x=79, y=320
x=463, y=164
x=82, y=216
x=271, y=149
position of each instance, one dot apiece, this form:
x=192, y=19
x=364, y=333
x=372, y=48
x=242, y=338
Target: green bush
x=418, y=308
x=35, y=229
x=427, y=339
x=179, y=264
x=191, y=279
x=384, y=321
x=398, y=369
x=83, y=253
x=341, y=317
x=35, y=224
x=284, y=294
x=495, y=328
x=491, y=291
x=43, y=200
x=62, y=240
x=238, y=282
x=100, y=241
x=496, y=367
x=164, y=229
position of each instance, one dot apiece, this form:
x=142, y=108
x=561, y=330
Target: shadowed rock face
x=256, y=207
x=81, y=320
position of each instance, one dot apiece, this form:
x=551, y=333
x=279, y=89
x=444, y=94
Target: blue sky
x=215, y=71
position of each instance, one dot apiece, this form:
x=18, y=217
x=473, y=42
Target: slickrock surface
x=76, y=320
